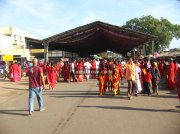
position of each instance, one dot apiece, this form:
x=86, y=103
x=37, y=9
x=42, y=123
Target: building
x=13, y=42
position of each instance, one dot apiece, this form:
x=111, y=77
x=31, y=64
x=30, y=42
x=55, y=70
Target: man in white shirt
x=87, y=66
x=97, y=67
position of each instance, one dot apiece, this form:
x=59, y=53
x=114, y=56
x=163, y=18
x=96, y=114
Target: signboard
x=36, y=50
x=7, y=58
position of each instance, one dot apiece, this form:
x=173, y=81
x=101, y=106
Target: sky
x=44, y=18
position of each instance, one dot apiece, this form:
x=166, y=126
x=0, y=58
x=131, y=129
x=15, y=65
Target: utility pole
x=152, y=49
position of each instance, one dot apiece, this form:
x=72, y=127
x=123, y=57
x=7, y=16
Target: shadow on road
x=82, y=94
x=14, y=112
x=164, y=96
x=14, y=88
x=132, y=108
x=177, y=106
x=95, y=94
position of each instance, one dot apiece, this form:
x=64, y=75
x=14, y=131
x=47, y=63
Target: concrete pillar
x=63, y=53
x=45, y=51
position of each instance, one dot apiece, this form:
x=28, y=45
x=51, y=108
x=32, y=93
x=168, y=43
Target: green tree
x=163, y=29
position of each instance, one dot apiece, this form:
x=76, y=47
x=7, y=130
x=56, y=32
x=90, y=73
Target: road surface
x=77, y=108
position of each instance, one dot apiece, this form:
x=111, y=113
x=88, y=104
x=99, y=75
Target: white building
x=12, y=42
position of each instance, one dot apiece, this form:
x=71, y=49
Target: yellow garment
x=130, y=72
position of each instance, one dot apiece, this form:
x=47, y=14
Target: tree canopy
x=163, y=29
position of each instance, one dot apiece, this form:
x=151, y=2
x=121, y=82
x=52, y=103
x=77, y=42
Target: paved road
x=77, y=108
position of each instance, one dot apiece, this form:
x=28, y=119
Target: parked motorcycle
x=3, y=74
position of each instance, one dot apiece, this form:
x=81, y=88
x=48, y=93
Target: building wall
x=13, y=41
x=5, y=42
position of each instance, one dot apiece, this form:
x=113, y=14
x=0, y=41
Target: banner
x=7, y=58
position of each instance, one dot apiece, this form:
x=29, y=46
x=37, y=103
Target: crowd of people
x=142, y=76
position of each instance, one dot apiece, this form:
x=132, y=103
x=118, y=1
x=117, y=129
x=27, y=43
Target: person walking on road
x=177, y=78
x=155, y=78
x=171, y=75
x=130, y=76
x=87, y=66
x=36, y=83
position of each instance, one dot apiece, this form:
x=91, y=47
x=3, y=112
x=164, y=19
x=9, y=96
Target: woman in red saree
x=14, y=72
x=93, y=69
x=58, y=69
x=178, y=79
x=66, y=71
x=171, y=75
x=51, y=75
x=19, y=72
x=161, y=67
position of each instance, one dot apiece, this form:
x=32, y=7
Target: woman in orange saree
x=116, y=78
x=102, y=79
x=109, y=77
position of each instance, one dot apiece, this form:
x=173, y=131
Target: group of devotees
x=142, y=75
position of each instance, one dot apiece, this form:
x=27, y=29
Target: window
x=14, y=44
x=20, y=38
x=54, y=53
x=15, y=39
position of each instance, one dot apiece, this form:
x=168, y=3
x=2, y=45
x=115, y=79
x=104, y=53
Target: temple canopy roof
x=97, y=37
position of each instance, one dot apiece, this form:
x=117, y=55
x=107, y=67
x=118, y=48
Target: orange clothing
x=130, y=72
x=103, y=78
x=171, y=75
x=116, y=79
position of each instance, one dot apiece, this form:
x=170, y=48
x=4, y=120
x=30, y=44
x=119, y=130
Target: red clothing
x=65, y=72
x=93, y=69
x=147, y=77
x=93, y=63
x=58, y=70
x=19, y=72
x=14, y=71
x=161, y=68
x=34, y=74
x=80, y=72
x=178, y=81
x=51, y=76
x=170, y=74
x=15, y=68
